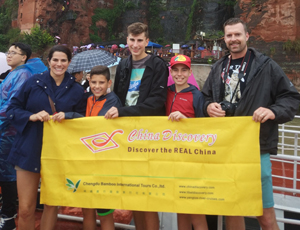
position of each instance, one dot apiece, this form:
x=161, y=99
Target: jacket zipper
x=173, y=102
x=92, y=106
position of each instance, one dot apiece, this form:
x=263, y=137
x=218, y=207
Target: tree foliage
x=230, y=2
x=38, y=39
x=155, y=27
x=108, y=15
x=95, y=39
x=292, y=46
x=7, y=13
x=190, y=20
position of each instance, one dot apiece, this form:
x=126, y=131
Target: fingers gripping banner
x=199, y=165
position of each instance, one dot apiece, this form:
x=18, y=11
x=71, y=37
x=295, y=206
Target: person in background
x=22, y=68
x=248, y=83
x=53, y=92
x=78, y=76
x=141, y=84
x=83, y=79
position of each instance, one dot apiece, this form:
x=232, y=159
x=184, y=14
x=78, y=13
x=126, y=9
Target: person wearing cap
x=192, y=105
x=184, y=101
x=141, y=84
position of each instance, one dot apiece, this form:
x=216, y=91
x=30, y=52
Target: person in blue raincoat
x=30, y=107
x=17, y=55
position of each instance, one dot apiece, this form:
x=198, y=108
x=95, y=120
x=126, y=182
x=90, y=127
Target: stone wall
x=270, y=20
x=271, y=23
x=56, y=15
x=26, y=15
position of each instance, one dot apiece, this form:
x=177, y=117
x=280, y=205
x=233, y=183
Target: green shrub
x=130, y=6
x=292, y=45
x=94, y=38
x=14, y=35
x=272, y=50
x=8, y=11
x=38, y=39
x=155, y=28
x=3, y=43
x=288, y=45
x=190, y=21
x=230, y=2
x=297, y=46
x=214, y=34
x=109, y=15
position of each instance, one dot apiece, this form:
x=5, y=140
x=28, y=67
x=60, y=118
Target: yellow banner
x=199, y=165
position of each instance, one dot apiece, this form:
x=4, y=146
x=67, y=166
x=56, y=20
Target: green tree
x=94, y=38
x=230, y=2
x=155, y=28
x=111, y=16
x=38, y=39
x=15, y=35
x=3, y=42
x=8, y=11
x=190, y=20
x=5, y=22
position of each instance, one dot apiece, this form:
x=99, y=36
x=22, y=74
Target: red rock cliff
x=271, y=20
x=69, y=19
x=271, y=23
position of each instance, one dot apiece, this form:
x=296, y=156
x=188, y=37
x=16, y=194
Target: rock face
x=271, y=20
x=207, y=16
x=271, y=23
x=74, y=17
x=69, y=19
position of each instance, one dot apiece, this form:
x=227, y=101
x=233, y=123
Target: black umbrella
x=86, y=60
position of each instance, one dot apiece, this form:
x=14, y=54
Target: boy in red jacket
x=184, y=101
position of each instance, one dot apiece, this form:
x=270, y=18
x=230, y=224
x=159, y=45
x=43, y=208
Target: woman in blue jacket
x=40, y=96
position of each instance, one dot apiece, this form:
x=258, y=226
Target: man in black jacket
x=141, y=84
x=247, y=83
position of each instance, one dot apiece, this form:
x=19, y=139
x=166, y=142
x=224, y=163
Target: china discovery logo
x=101, y=141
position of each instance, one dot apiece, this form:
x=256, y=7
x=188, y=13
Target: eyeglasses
x=12, y=53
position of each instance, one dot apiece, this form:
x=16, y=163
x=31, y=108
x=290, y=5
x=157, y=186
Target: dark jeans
x=9, y=198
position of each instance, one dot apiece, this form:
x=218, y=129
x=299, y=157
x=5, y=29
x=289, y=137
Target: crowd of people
x=165, y=52
x=243, y=83
x=114, y=49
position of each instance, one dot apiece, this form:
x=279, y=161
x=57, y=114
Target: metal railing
x=295, y=160
x=288, y=152
x=288, y=146
x=80, y=219
x=289, y=133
